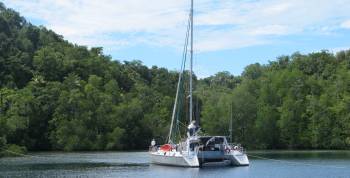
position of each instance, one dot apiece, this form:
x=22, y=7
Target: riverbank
x=16, y=151
x=13, y=151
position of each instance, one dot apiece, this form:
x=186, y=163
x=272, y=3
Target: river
x=270, y=164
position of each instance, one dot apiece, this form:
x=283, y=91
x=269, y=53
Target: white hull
x=174, y=159
x=238, y=159
x=216, y=150
x=233, y=158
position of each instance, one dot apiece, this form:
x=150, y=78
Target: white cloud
x=214, y=39
x=270, y=30
x=224, y=24
x=202, y=71
x=277, y=9
x=345, y=24
x=338, y=49
x=84, y=21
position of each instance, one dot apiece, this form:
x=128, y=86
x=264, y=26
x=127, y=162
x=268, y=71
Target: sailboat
x=185, y=152
x=193, y=150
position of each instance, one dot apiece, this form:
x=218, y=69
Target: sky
x=228, y=34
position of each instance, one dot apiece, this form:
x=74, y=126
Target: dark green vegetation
x=59, y=96
x=296, y=102
x=55, y=95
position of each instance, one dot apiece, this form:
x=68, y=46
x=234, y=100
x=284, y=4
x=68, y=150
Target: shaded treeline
x=295, y=102
x=58, y=96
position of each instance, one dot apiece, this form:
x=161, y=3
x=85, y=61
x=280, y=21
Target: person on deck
x=191, y=129
x=153, y=143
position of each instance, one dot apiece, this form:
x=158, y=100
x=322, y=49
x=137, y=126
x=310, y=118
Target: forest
x=56, y=95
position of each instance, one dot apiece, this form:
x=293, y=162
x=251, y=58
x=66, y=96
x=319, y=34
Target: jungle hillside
x=56, y=95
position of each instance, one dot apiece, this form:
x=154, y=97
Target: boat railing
x=237, y=147
x=153, y=148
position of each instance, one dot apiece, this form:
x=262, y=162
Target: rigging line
x=185, y=50
x=297, y=163
x=183, y=124
x=184, y=56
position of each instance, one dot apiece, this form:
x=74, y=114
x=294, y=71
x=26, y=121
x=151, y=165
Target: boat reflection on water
x=210, y=170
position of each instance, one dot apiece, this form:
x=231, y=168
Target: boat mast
x=191, y=64
x=231, y=124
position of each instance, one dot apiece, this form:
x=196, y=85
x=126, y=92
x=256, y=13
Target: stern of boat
x=238, y=158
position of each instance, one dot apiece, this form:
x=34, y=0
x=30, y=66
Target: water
x=285, y=164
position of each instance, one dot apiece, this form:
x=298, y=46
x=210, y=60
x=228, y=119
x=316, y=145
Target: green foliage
x=296, y=102
x=56, y=95
x=114, y=139
x=13, y=150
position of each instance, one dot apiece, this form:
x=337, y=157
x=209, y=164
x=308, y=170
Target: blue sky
x=229, y=34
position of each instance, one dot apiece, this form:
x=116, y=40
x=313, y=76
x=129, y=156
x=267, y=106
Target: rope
x=297, y=163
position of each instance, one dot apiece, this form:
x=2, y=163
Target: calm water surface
x=283, y=164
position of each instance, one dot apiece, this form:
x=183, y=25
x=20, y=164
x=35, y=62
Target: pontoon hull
x=233, y=158
x=178, y=160
x=238, y=159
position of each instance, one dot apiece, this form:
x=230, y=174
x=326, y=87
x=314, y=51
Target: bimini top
x=212, y=140
x=211, y=136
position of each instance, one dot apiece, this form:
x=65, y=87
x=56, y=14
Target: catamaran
x=193, y=150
